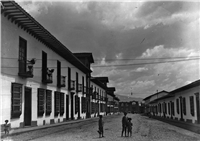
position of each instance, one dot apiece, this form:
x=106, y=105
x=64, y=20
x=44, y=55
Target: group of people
x=126, y=126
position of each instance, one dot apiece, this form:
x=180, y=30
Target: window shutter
x=62, y=103
x=76, y=104
x=48, y=101
x=57, y=103
x=41, y=94
x=16, y=100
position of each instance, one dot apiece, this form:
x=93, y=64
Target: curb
x=187, y=126
x=16, y=131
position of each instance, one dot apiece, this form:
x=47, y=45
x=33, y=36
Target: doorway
x=72, y=106
x=197, y=108
x=27, y=106
x=181, y=107
x=67, y=107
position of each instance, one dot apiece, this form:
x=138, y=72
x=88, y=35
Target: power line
x=39, y=59
x=120, y=65
x=191, y=57
x=136, y=64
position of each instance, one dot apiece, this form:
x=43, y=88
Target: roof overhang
x=19, y=16
x=85, y=55
x=97, y=82
x=186, y=87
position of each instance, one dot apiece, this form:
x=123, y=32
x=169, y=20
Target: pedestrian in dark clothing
x=101, y=123
x=124, y=124
x=129, y=127
x=6, y=127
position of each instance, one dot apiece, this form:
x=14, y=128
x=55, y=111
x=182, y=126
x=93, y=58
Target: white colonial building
x=98, y=98
x=182, y=104
x=42, y=82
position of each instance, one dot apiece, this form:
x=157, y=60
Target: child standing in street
x=6, y=127
x=129, y=127
x=101, y=123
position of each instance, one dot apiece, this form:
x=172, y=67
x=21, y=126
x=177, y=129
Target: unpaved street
x=144, y=129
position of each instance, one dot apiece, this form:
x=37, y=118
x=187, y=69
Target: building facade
x=98, y=98
x=181, y=104
x=42, y=82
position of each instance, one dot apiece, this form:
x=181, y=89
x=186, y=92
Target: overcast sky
x=136, y=33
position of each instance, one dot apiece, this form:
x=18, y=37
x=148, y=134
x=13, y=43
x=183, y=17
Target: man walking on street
x=124, y=124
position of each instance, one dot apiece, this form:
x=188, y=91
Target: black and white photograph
x=100, y=70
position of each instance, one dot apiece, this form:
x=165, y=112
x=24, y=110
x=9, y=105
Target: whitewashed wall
x=9, y=73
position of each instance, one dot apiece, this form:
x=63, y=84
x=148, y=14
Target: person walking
x=101, y=123
x=124, y=124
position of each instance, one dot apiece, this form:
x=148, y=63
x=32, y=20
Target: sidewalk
x=188, y=126
x=15, y=131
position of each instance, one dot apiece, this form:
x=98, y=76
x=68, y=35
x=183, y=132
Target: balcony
x=49, y=76
x=80, y=88
x=72, y=85
x=62, y=81
x=26, y=68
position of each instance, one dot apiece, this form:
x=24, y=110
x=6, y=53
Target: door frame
x=27, y=88
x=197, y=107
x=67, y=107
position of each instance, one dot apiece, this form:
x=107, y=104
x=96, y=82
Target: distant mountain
x=124, y=98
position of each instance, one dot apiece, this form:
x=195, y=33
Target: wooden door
x=67, y=107
x=27, y=106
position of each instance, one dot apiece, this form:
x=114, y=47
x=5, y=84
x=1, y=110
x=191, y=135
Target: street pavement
x=144, y=129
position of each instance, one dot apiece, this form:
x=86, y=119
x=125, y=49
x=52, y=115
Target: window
x=169, y=108
x=41, y=94
x=83, y=85
x=173, y=108
x=22, y=55
x=76, y=82
x=160, y=108
x=83, y=100
x=16, y=100
x=76, y=104
x=165, y=104
x=62, y=103
x=69, y=78
x=58, y=73
x=48, y=101
x=177, y=106
x=57, y=103
x=184, y=106
x=44, y=66
x=93, y=108
x=192, y=105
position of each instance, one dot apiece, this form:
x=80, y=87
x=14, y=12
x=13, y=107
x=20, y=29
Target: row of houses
x=42, y=81
x=131, y=107
x=182, y=104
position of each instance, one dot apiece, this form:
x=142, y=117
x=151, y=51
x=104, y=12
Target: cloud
x=128, y=30
x=141, y=69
